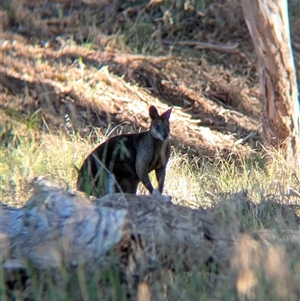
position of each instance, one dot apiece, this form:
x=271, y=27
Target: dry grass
x=28, y=152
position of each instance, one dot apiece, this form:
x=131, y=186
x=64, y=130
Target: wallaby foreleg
x=142, y=173
x=144, y=177
x=160, y=176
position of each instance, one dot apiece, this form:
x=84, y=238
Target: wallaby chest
x=160, y=154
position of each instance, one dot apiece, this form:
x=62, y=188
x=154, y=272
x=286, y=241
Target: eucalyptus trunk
x=268, y=24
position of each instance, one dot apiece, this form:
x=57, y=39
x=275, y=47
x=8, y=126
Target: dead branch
x=204, y=45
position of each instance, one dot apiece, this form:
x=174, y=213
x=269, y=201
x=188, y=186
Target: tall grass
x=27, y=152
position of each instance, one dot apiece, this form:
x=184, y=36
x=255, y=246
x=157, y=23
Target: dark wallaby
x=129, y=158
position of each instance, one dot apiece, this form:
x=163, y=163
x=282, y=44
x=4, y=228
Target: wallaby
x=129, y=157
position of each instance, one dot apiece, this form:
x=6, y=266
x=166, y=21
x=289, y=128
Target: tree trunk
x=268, y=24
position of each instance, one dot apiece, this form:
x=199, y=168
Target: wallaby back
x=129, y=158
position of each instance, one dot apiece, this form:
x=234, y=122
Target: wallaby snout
x=160, y=129
x=165, y=135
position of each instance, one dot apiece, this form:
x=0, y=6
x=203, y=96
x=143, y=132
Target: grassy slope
x=27, y=151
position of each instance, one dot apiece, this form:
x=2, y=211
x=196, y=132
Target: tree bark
x=268, y=24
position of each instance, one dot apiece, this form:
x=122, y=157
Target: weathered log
x=58, y=227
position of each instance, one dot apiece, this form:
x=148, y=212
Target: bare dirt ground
x=104, y=63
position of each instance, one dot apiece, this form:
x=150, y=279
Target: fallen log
x=59, y=227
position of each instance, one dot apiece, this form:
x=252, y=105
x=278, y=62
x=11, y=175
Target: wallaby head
x=159, y=128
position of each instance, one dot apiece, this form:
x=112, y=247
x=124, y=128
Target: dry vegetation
x=101, y=64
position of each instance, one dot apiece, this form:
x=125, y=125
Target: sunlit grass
x=26, y=153
x=202, y=181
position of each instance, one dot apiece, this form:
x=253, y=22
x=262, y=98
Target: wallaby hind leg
x=93, y=179
x=128, y=185
x=126, y=178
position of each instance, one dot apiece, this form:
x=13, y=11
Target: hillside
x=104, y=64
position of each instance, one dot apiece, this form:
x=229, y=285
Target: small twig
x=125, y=58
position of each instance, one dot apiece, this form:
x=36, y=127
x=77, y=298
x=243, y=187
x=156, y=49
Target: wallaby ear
x=153, y=113
x=167, y=113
